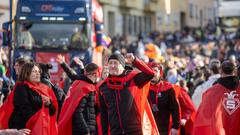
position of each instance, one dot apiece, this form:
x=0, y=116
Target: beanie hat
x=118, y=57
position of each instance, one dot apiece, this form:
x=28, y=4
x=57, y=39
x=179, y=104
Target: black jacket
x=26, y=103
x=118, y=108
x=72, y=74
x=84, y=117
x=167, y=106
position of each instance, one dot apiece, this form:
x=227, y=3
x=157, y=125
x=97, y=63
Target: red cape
x=219, y=112
x=77, y=91
x=41, y=123
x=149, y=126
x=187, y=108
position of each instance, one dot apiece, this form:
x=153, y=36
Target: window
x=196, y=12
x=124, y=24
x=111, y=23
x=148, y=22
x=52, y=36
x=191, y=10
x=140, y=24
x=135, y=25
x=130, y=27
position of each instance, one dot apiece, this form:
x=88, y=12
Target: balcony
x=151, y=6
x=128, y=3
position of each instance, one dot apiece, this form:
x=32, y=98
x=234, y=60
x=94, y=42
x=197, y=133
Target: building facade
x=200, y=12
x=131, y=17
x=4, y=11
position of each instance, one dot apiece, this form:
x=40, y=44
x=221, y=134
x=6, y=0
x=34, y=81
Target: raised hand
x=60, y=59
x=129, y=58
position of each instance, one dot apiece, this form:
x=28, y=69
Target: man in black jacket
x=78, y=111
x=117, y=93
x=163, y=102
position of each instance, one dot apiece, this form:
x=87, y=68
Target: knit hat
x=118, y=57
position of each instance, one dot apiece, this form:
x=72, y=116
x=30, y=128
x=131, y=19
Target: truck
x=43, y=29
x=228, y=14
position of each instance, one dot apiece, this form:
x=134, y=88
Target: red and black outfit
x=123, y=102
x=24, y=108
x=78, y=112
x=164, y=106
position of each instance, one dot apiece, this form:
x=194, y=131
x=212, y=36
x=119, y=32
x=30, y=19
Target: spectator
x=215, y=68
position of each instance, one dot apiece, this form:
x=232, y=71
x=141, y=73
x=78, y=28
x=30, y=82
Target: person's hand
x=46, y=100
x=183, y=122
x=87, y=134
x=79, y=62
x=174, y=131
x=24, y=132
x=16, y=132
x=129, y=57
x=60, y=59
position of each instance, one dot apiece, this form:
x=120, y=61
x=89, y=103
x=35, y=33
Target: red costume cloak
x=187, y=108
x=219, y=112
x=77, y=91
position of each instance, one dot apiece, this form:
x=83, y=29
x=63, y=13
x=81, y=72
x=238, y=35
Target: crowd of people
x=180, y=84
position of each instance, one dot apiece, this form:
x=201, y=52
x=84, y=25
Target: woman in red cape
x=30, y=105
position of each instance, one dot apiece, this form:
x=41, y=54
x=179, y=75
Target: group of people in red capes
x=130, y=101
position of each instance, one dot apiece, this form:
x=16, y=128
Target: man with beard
x=123, y=98
x=164, y=103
